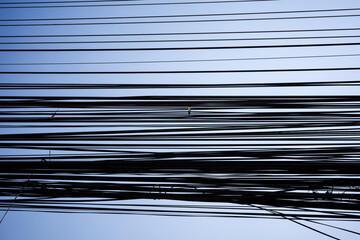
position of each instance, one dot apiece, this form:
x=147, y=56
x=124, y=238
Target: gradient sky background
x=19, y=225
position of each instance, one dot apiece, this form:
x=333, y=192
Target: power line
x=17, y=195
x=187, y=60
x=181, y=21
x=187, y=15
x=136, y=4
x=78, y=1
x=31, y=86
x=178, y=48
x=187, y=40
x=184, y=33
x=190, y=71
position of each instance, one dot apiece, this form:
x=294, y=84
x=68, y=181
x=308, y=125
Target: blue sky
x=19, y=225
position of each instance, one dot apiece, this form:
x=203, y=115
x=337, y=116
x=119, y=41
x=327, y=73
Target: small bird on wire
x=53, y=116
x=189, y=111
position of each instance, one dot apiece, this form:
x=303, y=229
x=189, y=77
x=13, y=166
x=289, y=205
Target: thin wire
x=8, y=209
x=181, y=21
x=186, y=15
x=78, y=1
x=189, y=60
x=186, y=40
x=292, y=220
x=31, y=86
x=184, y=33
x=178, y=48
x=191, y=71
x=137, y=4
x=336, y=227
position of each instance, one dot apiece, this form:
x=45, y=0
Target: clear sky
x=19, y=225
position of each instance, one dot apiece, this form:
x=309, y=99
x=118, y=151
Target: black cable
x=17, y=195
x=78, y=1
x=264, y=99
x=186, y=15
x=181, y=21
x=187, y=60
x=136, y=4
x=191, y=71
x=187, y=40
x=177, y=48
x=184, y=33
x=30, y=86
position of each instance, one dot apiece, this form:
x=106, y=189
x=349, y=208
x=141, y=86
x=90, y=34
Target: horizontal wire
x=188, y=71
x=187, y=40
x=194, y=60
x=30, y=86
x=182, y=33
x=189, y=60
x=178, y=48
x=186, y=15
x=70, y=1
x=184, y=21
x=136, y=4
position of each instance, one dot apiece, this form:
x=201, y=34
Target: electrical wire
x=186, y=40
x=182, y=33
x=187, y=60
x=136, y=4
x=182, y=21
x=186, y=15
x=177, y=48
